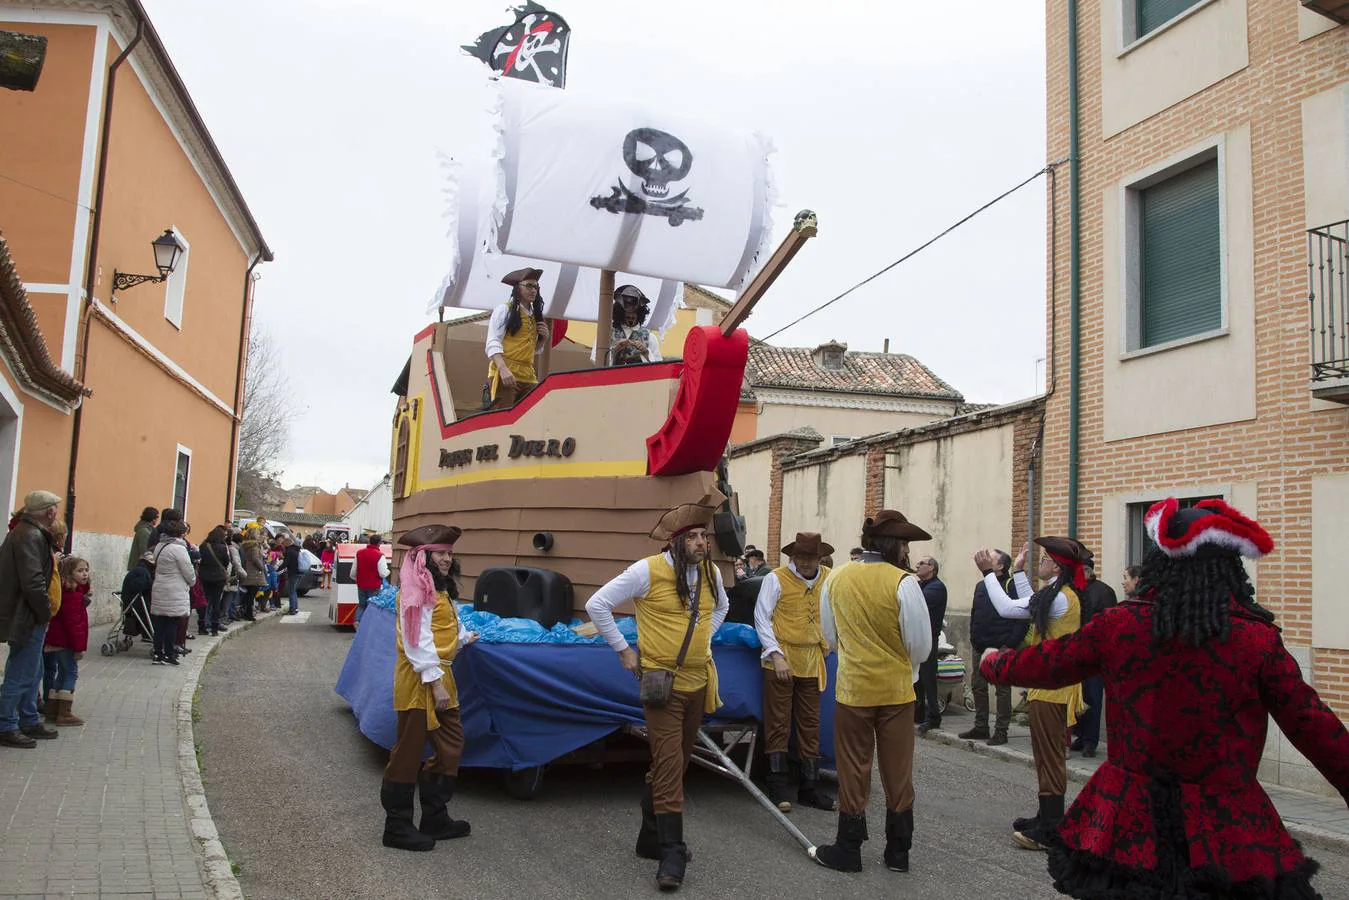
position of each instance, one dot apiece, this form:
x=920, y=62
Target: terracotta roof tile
x=22, y=342
x=797, y=368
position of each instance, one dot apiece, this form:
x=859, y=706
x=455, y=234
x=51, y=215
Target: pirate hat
x=891, y=523
x=808, y=543
x=519, y=275
x=629, y=292
x=431, y=534
x=1070, y=555
x=1208, y=529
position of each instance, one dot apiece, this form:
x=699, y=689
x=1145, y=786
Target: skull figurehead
x=657, y=158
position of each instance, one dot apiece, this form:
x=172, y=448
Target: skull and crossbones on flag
x=532, y=49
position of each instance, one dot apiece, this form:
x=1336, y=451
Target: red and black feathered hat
x=1209, y=528
x=1070, y=555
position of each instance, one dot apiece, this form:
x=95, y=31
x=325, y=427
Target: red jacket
x=69, y=628
x=367, y=568
x=1177, y=801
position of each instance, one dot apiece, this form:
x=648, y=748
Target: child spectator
x=67, y=639
x=329, y=558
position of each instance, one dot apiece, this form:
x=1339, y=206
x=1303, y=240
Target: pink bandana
x=416, y=589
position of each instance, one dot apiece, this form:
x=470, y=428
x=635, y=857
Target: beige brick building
x=1214, y=177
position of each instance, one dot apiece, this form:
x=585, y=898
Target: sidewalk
x=1311, y=818
x=102, y=811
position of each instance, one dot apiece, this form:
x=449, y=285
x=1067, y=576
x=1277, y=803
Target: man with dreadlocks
x=424, y=693
x=1194, y=668
x=874, y=613
x=680, y=603
x=631, y=341
x=515, y=334
x=1053, y=611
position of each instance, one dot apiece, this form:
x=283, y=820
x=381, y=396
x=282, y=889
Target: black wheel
x=942, y=701
x=524, y=784
x=107, y=649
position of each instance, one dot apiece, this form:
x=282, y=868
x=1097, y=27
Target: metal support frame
x=122, y=281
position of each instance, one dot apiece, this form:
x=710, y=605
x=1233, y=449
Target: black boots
x=898, y=839
x=977, y=733
x=1037, y=833
x=845, y=854
x=674, y=854
x=436, y=791
x=777, y=781
x=809, y=793
x=648, y=844
x=399, y=832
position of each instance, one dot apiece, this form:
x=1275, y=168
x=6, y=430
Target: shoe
x=64, y=701
x=41, y=732
x=183, y=651
x=17, y=739
x=173, y=660
x=673, y=852
x=399, y=832
x=845, y=854
x=191, y=637
x=977, y=733
x=215, y=632
x=777, y=782
x=224, y=628
x=157, y=660
x=998, y=738
x=1076, y=746
x=437, y=790
x=809, y=793
x=898, y=839
x=927, y=726
x=291, y=612
x=1089, y=752
x=1044, y=828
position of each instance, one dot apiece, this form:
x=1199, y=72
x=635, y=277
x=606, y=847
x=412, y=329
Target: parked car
x=311, y=572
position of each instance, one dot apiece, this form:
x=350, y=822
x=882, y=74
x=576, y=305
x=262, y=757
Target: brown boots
x=58, y=706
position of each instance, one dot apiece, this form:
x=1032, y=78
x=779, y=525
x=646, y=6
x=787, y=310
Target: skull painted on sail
x=658, y=159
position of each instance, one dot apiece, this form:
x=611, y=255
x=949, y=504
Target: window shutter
x=1181, y=256
x=1152, y=14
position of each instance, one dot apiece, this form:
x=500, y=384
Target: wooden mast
x=803, y=229
x=604, y=322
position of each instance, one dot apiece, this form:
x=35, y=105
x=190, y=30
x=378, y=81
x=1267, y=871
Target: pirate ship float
x=572, y=479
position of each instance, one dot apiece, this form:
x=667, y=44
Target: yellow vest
x=518, y=349
x=1067, y=623
x=873, y=663
x=409, y=691
x=796, y=625
x=662, y=622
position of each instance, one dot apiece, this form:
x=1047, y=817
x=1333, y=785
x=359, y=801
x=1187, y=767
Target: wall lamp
x=168, y=250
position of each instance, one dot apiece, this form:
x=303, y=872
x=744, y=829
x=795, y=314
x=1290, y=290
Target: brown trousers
x=506, y=397
x=447, y=745
x=671, y=731
x=784, y=701
x=1048, y=738
x=858, y=730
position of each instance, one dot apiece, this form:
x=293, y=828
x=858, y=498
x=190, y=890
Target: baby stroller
x=950, y=674
x=134, y=622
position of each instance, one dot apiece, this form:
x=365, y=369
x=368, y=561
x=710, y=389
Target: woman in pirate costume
x=631, y=341
x=424, y=693
x=1053, y=611
x=515, y=334
x=680, y=603
x=1194, y=668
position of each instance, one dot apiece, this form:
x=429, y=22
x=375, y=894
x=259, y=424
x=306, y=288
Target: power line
x=34, y=187
x=915, y=251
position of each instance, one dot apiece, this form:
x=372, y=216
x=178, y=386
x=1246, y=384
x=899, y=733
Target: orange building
x=103, y=157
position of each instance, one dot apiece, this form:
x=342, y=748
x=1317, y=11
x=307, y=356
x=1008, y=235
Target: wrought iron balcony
x=1331, y=9
x=1328, y=298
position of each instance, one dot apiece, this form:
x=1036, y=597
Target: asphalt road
x=294, y=789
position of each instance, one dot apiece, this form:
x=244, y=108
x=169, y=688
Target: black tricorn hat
x=431, y=534
x=519, y=275
x=891, y=523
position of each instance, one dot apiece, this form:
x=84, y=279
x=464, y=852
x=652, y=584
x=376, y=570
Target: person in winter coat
x=233, y=585
x=140, y=540
x=136, y=589
x=294, y=575
x=66, y=642
x=254, y=581
x=170, y=599
x=168, y=515
x=215, y=572
x=25, y=610
x=988, y=629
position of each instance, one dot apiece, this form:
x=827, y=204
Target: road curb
x=1308, y=834
x=217, y=873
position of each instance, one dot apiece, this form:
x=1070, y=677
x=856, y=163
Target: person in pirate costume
x=424, y=693
x=1053, y=611
x=515, y=335
x=631, y=341
x=787, y=618
x=1194, y=668
x=873, y=612
x=680, y=603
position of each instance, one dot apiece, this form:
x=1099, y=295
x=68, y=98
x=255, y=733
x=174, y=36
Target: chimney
x=886, y=348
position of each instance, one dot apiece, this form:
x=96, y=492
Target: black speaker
x=729, y=530
x=743, y=595
x=521, y=592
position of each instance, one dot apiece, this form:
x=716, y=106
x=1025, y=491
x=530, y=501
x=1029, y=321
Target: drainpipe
x=244, y=321
x=1074, y=270
x=82, y=362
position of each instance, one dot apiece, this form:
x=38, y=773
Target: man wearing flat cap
x=424, y=693
x=25, y=611
x=787, y=618
x=631, y=341
x=1053, y=611
x=516, y=333
x=872, y=611
x=680, y=603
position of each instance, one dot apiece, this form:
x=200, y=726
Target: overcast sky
x=892, y=120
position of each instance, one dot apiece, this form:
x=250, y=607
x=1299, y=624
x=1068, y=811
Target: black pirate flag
x=533, y=49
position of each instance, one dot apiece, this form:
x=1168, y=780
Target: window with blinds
x=1180, y=256
x=1149, y=15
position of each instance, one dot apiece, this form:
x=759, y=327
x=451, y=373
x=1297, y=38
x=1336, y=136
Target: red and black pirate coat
x=1176, y=811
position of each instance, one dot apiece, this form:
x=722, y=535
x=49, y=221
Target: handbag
x=658, y=683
